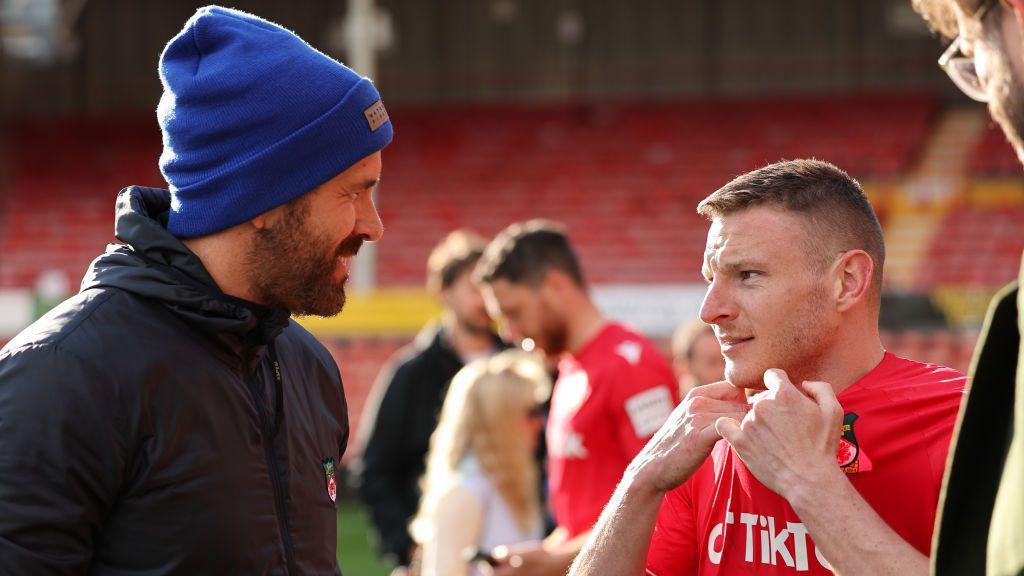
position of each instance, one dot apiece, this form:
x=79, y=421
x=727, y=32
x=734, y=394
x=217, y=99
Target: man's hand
x=789, y=438
x=529, y=560
x=682, y=444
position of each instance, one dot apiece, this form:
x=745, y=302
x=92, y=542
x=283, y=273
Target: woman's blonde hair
x=483, y=413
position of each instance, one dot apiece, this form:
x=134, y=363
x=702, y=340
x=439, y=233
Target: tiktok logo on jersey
x=569, y=446
x=764, y=542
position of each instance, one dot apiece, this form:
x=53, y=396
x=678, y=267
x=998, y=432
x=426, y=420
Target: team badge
x=850, y=457
x=332, y=484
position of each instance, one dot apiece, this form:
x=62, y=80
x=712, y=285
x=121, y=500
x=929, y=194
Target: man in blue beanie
x=170, y=418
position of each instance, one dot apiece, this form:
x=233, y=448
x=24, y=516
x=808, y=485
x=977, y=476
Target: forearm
x=862, y=543
x=618, y=543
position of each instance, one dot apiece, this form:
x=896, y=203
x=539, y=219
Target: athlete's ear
x=854, y=271
x=556, y=281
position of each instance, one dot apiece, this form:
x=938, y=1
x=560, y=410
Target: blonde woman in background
x=480, y=489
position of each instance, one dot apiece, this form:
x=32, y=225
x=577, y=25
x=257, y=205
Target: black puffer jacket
x=142, y=430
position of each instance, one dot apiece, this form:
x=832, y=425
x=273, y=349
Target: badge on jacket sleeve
x=332, y=484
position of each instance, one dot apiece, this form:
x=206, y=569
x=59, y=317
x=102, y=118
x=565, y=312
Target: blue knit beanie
x=253, y=117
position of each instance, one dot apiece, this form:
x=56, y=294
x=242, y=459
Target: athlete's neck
x=582, y=324
x=856, y=350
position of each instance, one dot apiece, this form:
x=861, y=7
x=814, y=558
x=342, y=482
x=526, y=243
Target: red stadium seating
x=625, y=178
x=976, y=247
x=57, y=212
x=994, y=156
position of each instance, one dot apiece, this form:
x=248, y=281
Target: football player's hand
x=684, y=442
x=789, y=438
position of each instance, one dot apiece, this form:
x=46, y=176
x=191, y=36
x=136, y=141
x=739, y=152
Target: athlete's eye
x=748, y=274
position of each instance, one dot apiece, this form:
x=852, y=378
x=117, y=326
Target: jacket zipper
x=271, y=455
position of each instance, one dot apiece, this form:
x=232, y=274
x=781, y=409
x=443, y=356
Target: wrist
x=642, y=482
x=821, y=484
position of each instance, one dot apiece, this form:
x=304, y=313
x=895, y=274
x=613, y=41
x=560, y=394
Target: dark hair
x=457, y=253
x=832, y=201
x=525, y=252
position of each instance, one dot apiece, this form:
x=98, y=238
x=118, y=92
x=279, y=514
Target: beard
x=475, y=324
x=290, y=266
x=1006, y=104
x=798, y=347
x=553, y=337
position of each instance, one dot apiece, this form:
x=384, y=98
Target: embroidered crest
x=849, y=456
x=332, y=484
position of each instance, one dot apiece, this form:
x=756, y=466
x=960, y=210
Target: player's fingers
x=718, y=391
x=708, y=419
x=823, y=395
x=775, y=379
x=728, y=428
x=705, y=404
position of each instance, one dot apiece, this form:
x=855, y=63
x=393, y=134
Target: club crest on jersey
x=332, y=484
x=850, y=457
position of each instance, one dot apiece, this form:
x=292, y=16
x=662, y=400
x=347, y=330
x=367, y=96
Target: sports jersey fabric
x=896, y=432
x=609, y=399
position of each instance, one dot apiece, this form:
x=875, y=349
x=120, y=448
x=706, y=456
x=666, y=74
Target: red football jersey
x=610, y=398
x=896, y=432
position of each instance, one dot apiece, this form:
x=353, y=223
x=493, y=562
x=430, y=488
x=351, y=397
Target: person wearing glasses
x=981, y=526
x=834, y=465
x=481, y=489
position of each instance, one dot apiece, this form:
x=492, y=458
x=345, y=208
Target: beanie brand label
x=376, y=115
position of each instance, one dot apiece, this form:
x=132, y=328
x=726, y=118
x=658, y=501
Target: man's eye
x=748, y=274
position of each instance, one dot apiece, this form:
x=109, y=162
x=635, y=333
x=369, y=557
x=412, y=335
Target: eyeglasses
x=960, y=68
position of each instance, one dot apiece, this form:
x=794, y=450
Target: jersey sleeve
x=673, y=550
x=642, y=398
x=939, y=419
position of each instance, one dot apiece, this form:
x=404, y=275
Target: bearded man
x=170, y=418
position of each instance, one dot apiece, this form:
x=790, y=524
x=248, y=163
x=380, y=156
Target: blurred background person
x=696, y=356
x=614, y=389
x=981, y=522
x=407, y=397
x=480, y=490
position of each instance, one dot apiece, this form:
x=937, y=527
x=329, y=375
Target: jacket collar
x=155, y=265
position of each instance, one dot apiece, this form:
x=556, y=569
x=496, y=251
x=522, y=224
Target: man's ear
x=269, y=218
x=854, y=272
x=556, y=282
